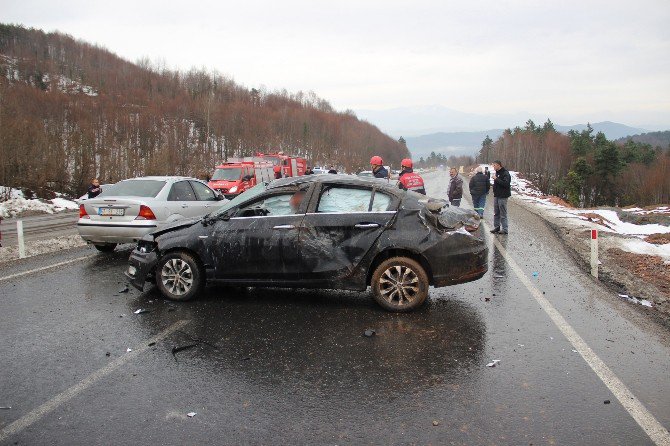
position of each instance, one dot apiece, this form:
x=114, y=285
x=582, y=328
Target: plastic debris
x=108, y=354
x=124, y=290
x=520, y=345
x=128, y=350
x=493, y=363
x=369, y=332
x=535, y=274
x=487, y=299
x=5, y=407
x=636, y=300
x=606, y=401
x=574, y=351
x=498, y=277
x=151, y=344
x=140, y=311
x=191, y=414
x=436, y=423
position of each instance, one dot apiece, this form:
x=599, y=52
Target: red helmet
x=406, y=163
x=377, y=160
x=276, y=169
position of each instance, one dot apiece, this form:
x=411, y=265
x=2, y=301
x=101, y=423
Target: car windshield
x=227, y=174
x=133, y=188
x=251, y=193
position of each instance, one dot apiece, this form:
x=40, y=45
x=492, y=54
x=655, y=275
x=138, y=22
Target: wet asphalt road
x=293, y=367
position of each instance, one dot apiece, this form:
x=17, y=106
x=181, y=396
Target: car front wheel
x=179, y=276
x=400, y=284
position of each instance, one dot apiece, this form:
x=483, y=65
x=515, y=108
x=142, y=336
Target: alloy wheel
x=177, y=276
x=399, y=285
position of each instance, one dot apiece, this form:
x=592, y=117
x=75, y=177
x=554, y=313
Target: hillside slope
x=70, y=110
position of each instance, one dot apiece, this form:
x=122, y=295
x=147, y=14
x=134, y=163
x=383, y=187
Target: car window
x=273, y=205
x=133, y=188
x=181, y=191
x=381, y=202
x=342, y=199
x=202, y=192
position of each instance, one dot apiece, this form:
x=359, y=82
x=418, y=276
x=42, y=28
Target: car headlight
x=233, y=189
x=144, y=246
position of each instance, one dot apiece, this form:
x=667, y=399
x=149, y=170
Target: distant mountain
x=468, y=143
x=612, y=130
x=656, y=139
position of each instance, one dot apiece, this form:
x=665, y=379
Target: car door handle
x=284, y=227
x=366, y=225
x=184, y=205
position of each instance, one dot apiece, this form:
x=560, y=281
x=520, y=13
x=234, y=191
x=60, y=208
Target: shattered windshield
x=251, y=193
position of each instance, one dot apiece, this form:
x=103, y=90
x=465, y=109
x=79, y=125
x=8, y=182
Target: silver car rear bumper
x=98, y=232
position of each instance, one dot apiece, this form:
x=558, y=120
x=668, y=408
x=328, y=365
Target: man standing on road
x=378, y=169
x=479, y=188
x=94, y=188
x=408, y=180
x=455, y=192
x=502, y=190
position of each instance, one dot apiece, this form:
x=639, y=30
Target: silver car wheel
x=177, y=276
x=399, y=285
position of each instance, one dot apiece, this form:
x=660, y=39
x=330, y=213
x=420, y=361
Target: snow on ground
x=17, y=204
x=605, y=220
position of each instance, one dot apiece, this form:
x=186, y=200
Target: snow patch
x=17, y=203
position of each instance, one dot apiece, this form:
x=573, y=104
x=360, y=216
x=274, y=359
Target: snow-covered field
x=17, y=204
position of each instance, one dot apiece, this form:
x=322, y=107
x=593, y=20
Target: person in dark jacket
x=332, y=170
x=378, y=169
x=408, y=180
x=94, y=188
x=455, y=192
x=502, y=190
x=479, y=188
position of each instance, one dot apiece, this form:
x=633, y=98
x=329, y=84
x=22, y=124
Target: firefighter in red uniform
x=409, y=180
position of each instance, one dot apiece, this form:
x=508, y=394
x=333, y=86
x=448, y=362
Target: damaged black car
x=318, y=231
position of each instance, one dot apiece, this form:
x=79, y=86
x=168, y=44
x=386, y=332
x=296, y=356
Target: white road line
x=33, y=416
x=658, y=434
x=44, y=268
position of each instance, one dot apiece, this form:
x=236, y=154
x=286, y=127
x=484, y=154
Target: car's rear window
x=134, y=188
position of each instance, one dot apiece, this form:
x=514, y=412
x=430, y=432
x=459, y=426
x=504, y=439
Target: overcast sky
x=567, y=59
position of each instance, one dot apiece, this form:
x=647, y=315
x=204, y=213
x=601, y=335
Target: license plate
x=111, y=211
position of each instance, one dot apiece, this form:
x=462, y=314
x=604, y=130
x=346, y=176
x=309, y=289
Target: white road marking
x=655, y=430
x=63, y=397
x=44, y=268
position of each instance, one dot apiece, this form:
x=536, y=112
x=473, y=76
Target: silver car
x=129, y=209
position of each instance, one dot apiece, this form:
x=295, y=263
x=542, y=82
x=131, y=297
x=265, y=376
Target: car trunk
x=113, y=209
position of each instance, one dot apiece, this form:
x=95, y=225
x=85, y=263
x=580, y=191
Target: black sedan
x=318, y=231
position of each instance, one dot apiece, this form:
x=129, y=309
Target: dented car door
x=339, y=228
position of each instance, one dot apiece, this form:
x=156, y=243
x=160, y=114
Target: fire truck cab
x=233, y=178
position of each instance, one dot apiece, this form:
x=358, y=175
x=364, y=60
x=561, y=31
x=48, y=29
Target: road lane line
x=44, y=268
x=655, y=430
x=63, y=397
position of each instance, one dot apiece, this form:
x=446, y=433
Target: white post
x=594, y=253
x=19, y=235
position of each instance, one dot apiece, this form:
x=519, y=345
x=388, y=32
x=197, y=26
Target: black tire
x=179, y=276
x=400, y=284
x=106, y=247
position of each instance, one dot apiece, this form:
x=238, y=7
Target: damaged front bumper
x=140, y=267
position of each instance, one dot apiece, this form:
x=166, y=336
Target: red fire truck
x=236, y=176
x=292, y=166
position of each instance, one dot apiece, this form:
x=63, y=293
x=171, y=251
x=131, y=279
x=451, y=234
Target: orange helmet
x=377, y=160
x=406, y=163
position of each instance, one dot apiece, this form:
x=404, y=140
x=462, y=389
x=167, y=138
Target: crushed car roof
x=336, y=179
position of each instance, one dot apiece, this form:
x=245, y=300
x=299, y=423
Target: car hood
x=179, y=224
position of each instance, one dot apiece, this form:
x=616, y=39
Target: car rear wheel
x=179, y=276
x=400, y=284
x=106, y=247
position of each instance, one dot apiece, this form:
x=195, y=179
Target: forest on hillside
x=583, y=168
x=70, y=111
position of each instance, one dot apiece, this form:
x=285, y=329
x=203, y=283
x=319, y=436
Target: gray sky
x=570, y=60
